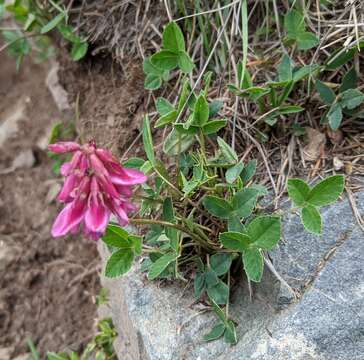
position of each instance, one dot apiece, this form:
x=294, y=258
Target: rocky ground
x=321, y=319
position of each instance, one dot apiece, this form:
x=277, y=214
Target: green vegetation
x=33, y=21
x=203, y=208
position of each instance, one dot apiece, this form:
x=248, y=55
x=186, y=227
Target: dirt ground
x=111, y=101
x=47, y=285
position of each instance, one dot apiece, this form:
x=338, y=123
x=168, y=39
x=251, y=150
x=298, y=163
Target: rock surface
x=326, y=322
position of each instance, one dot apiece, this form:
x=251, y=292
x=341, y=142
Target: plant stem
x=199, y=239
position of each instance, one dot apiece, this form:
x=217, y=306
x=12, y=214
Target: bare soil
x=47, y=285
x=111, y=100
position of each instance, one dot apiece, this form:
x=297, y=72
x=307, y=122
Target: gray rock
x=5, y=353
x=160, y=323
x=24, y=160
x=9, y=125
x=59, y=94
x=7, y=252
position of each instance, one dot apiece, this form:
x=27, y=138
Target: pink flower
x=95, y=186
x=63, y=147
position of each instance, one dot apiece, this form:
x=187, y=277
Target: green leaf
x=185, y=63
x=249, y=171
x=302, y=72
x=149, y=68
x=180, y=128
x=152, y=82
x=334, y=116
x=199, y=285
x=116, y=236
x=29, y=23
x=164, y=60
x=52, y=24
x=327, y=191
x=213, y=126
x=227, y=151
x=244, y=202
x=176, y=143
x=311, y=219
x=235, y=241
x=326, y=94
x=217, y=206
x=163, y=106
x=265, y=231
x=294, y=24
x=211, y=278
x=290, y=109
x=137, y=243
x=349, y=80
x=235, y=225
x=215, y=106
x=351, y=98
x=160, y=265
x=201, y=112
x=79, y=50
x=219, y=293
x=173, y=39
x=298, y=191
x=230, y=333
x=253, y=264
x=234, y=172
x=119, y=263
x=285, y=69
x=134, y=163
x=307, y=40
x=166, y=119
x=148, y=140
x=341, y=57
x=216, y=332
x=68, y=33
x=33, y=349
x=18, y=46
x=220, y=263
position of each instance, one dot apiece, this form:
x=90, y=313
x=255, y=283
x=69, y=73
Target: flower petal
x=64, y=147
x=66, y=168
x=96, y=216
x=71, y=215
x=93, y=235
x=117, y=208
x=127, y=177
x=70, y=184
x=124, y=190
x=106, y=156
x=103, y=176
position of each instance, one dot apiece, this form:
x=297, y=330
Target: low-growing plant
x=201, y=208
x=35, y=20
x=346, y=102
x=295, y=26
x=99, y=348
x=203, y=213
x=172, y=55
x=271, y=98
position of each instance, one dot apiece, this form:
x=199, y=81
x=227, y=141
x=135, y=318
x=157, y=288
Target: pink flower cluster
x=95, y=186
